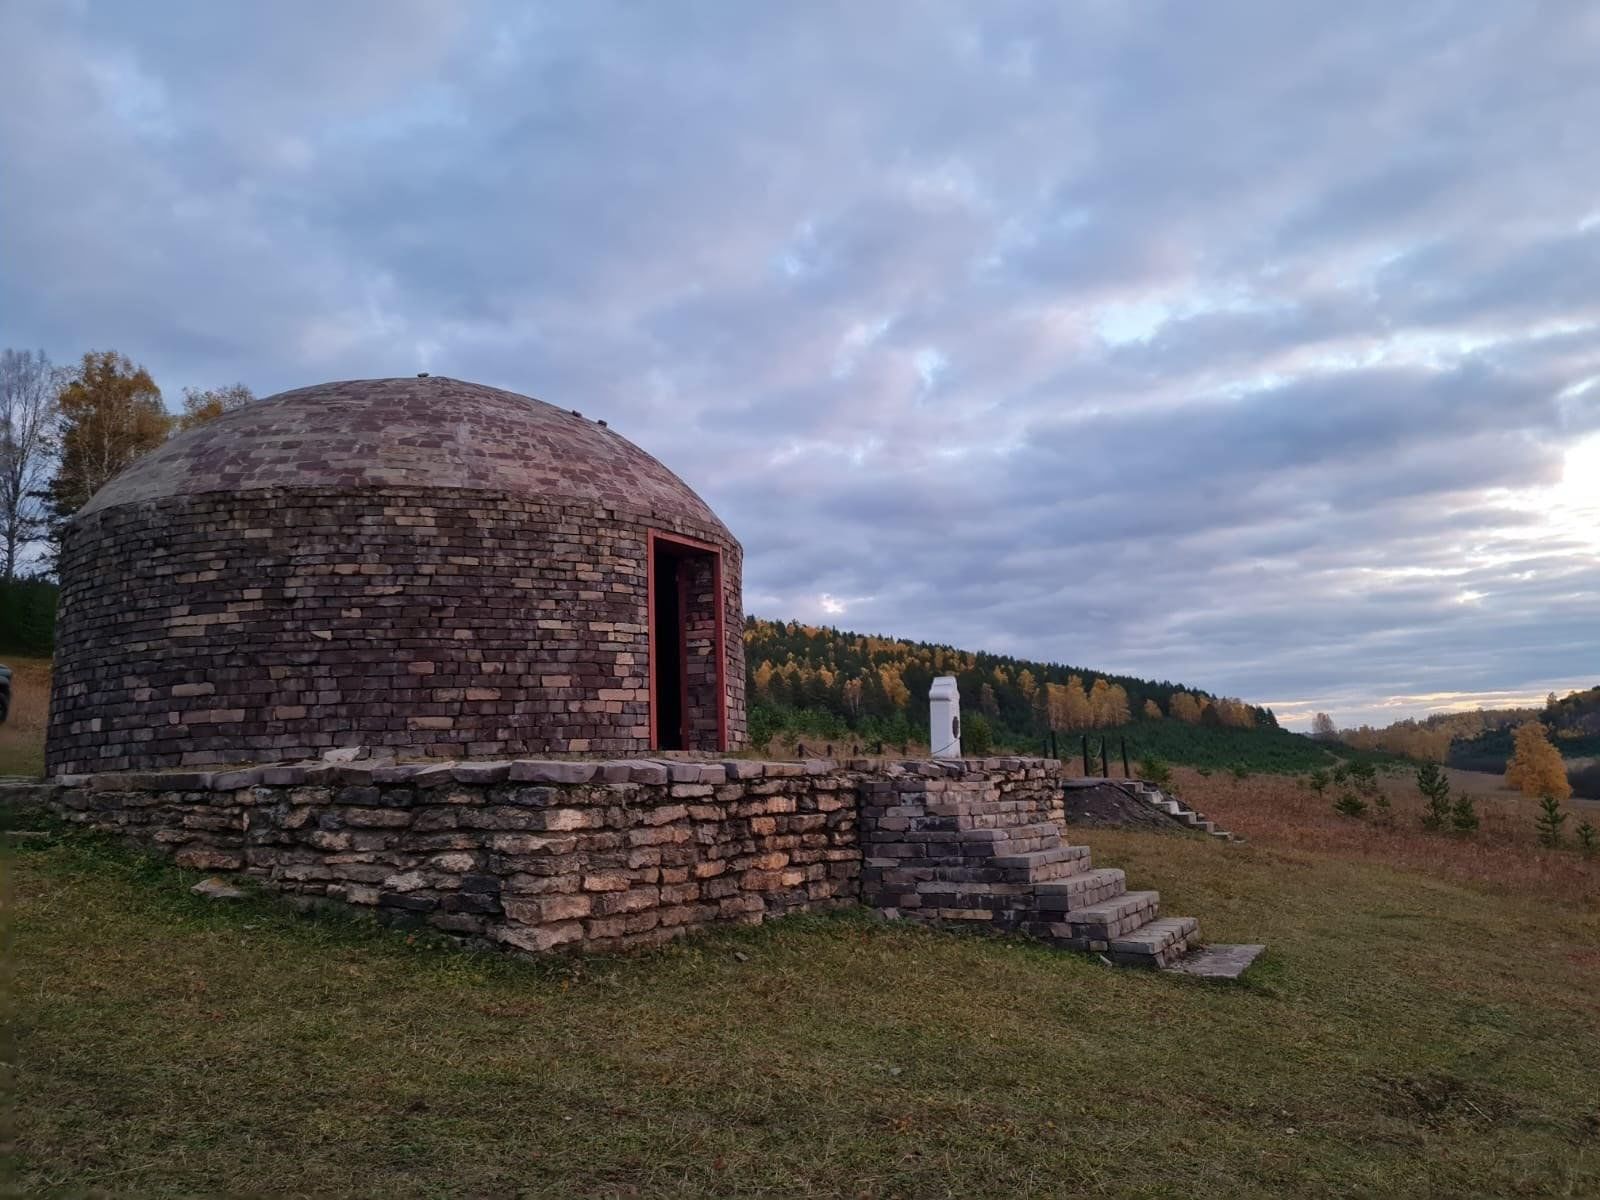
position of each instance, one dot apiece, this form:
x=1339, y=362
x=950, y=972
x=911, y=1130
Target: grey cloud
x=1361, y=242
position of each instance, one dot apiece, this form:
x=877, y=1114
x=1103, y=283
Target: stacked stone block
x=941, y=843
x=540, y=855
x=532, y=855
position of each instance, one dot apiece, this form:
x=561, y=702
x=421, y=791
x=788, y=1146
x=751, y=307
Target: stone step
x=1034, y=860
x=1022, y=847
x=1113, y=918
x=1157, y=943
x=1079, y=891
x=1057, y=871
x=1034, y=829
x=1217, y=961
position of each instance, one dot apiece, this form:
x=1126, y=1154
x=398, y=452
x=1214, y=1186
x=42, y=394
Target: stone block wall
x=271, y=624
x=541, y=855
x=532, y=855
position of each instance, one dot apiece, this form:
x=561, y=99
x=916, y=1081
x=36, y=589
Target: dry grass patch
x=1504, y=854
x=22, y=736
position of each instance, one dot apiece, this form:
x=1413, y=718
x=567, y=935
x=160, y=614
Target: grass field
x=22, y=736
x=1418, y=1027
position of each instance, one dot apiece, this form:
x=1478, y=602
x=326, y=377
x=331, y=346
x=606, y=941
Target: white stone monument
x=944, y=718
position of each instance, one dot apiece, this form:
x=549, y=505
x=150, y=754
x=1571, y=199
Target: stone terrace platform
x=538, y=855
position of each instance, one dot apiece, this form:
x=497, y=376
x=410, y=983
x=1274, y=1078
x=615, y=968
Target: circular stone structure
x=426, y=564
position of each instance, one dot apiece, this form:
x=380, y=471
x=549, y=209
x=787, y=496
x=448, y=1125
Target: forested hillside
x=832, y=683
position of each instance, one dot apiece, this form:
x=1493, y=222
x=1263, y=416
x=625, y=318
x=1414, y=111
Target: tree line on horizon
x=829, y=682
x=65, y=431
x=1481, y=733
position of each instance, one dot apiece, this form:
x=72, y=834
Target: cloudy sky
x=1252, y=345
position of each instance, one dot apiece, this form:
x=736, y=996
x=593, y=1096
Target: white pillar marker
x=944, y=718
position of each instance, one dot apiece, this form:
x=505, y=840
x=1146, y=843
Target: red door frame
x=683, y=543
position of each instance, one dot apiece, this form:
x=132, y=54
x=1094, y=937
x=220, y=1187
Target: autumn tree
x=28, y=386
x=1323, y=728
x=1026, y=684
x=894, y=688
x=1536, y=768
x=1184, y=707
x=203, y=405
x=1152, y=711
x=110, y=415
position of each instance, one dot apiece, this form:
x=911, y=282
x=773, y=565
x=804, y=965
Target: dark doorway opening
x=671, y=646
x=688, y=688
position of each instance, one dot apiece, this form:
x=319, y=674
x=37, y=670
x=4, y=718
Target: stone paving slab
x=1218, y=961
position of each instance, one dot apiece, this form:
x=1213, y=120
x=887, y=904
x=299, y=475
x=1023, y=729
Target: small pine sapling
x=1340, y=773
x=1464, y=817
x=1155, y=770
x=1318, y=780
x=1588, y=840
x=1435, y=788
x=1385, y=812
x=1351, y=805
x=1240, y=771
x=1549, y=821
x=1365, y=776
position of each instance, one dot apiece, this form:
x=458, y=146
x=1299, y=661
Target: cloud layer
x=1252, y=345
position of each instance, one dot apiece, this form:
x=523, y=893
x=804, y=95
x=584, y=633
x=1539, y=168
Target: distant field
x=1504, y=855
x=22, y=736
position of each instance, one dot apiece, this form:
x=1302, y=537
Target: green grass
x=1403, y=1035
x=1264, y=751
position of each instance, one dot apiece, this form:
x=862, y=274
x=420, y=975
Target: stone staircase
x=1152, y=795
x=964, y=852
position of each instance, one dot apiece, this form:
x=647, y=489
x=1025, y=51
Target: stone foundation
x=541, y=855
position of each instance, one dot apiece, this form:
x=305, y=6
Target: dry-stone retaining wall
x=539, y=855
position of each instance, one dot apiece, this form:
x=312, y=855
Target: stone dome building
x=426, y=564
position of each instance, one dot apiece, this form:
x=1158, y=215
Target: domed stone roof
x=421, y=432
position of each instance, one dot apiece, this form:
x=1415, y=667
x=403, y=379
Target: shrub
x=1318, y=780
x=1550, y=820
x=1385, y=811
x=976, y=735
x=1435, y=788
x=763, y=724
x=1588, y=840
x=1240, y=771
x=1340, y=774
x=1155, y=770
x=1464, y=817
x=1350, y=804
x=1365, y=776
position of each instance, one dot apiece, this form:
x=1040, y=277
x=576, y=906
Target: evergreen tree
x=1549, y=821
x=1350, y=804
x=1464, y=817
x=1435, y=788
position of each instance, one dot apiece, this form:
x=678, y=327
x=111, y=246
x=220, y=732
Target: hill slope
x=826, y=683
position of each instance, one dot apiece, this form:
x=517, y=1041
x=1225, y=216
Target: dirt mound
x=1107, y=805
